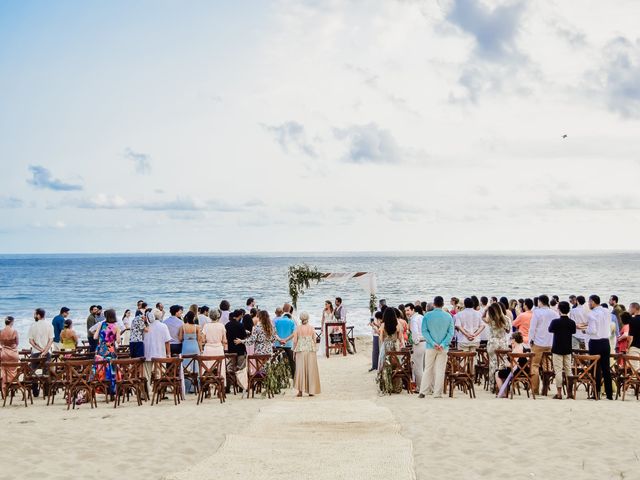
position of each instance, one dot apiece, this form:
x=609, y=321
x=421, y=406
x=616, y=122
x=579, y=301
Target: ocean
x=118, y=281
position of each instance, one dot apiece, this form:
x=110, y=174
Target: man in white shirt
x=203, y=316
x=156, y=344
x=417, y=357
x=598, y=330
x=469, y=327
x=40, y=339
x=540, y=338
x=580, y=315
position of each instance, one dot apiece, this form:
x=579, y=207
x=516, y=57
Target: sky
x=377, y=125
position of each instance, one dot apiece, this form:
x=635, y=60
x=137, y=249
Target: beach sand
x=349, y=431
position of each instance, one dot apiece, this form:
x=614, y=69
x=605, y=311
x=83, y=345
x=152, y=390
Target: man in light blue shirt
x=285, y=326
x=437, y=330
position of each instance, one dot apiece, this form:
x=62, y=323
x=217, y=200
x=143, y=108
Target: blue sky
x=313, y=126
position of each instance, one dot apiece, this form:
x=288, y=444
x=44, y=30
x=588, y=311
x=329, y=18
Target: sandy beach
x=349, y=431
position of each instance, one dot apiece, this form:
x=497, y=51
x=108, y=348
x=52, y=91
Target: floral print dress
x=263, y=345
x=106, y=351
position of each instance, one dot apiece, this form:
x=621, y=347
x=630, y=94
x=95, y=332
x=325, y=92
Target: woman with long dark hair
x=108, y=336
x=499, y=327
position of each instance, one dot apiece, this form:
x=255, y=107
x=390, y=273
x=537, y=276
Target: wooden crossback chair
x=583, y=372
x=25, y=353
x=210, y=368
x=256, y=373
x=17, y=379
x=232, y=366
x=351, y=338
x=547, y=372
x=129, y=379
x=56, y=379
x=39, y=374
x=166, y=377
x=401, y=368
x=482, y=367
x=460, y=372
x=77, y=379
x=502, y=361
x=521, y=373
x=617, y=372
x=630, y=374
x=190, y=370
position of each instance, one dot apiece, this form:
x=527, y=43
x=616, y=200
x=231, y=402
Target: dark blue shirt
x=58, y=325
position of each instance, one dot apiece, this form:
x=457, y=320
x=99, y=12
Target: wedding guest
x=499, y=328
x=634, y=330
x=136, y=337
x=235, y=329
x=580, y=314
x=517, y=346
x=125, y=325
x=563, y=329
x=68, y=337
x=189, y=336
x=375, y=323
x=225, y=306
x=40, y=339
x=58, y=326
x=91, y=321
x=160, y=308
x=174, y=324
x=418, y=341
x=469, y=325
x=157, y=343
x=598, y=329
x=504, y=301
x=285, y=327
x=403, y=325
x=454, y=305
x=390, y=341
x=8, y=350
x=437, y=330
x=214, y=336
x=140, y=308
x=262, y=336
x=622, y=342
x=523, y=321
x=108, y=336
x=539, y=337
x=307, y=377
x=203, y=316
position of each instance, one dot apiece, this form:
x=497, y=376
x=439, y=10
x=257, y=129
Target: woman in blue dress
x=190, y=333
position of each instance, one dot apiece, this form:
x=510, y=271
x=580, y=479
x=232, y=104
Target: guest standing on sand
x=468, y=323
x=523, y=321
x=91, y=321
x=58, y=326
x=225, y=306
x=125, y=325
x=235, y=329
x=437, y=330
x=306, y=378
x=580, y=315
x=174, y=324
x=108, y=336
x=68, y=337
x=284, y=329
x=498, y=327
x=8, y=350
x=157, y=343
x=190, y=338
x=40, y=339
x=598, y=329
x=138, y=326
x=539, y=337
x=390, y=338
x=214, y=336
x=375, y=324
x=262, y=336
x=418, y=341
x=563, y=329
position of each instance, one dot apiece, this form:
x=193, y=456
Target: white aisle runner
x=312, y=439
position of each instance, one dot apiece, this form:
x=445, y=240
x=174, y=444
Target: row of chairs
x=465, y=369
x=76, y=377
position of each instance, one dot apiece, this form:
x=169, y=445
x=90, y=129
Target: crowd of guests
x=151, y=332
x=537, y=325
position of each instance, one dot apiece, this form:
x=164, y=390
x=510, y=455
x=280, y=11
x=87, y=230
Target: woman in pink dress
x=8, y=350
x=215, y=339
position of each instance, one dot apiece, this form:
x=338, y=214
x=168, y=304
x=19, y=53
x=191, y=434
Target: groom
x=340, y=314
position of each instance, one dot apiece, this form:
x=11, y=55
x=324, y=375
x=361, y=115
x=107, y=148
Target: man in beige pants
x=539, y=337
x=563, y=329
